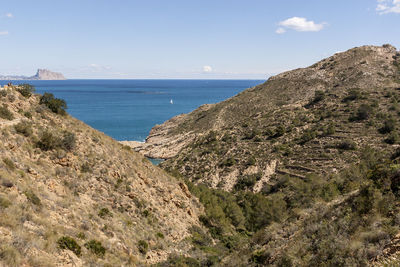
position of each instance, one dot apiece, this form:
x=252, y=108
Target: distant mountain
x=41, y=74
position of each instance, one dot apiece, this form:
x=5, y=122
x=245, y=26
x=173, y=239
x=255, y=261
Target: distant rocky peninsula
x=41, y=74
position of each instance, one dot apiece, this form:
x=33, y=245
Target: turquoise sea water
x=128, y=109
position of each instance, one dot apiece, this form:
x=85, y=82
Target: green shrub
x=247, y=181
x=67, y=242
x=353, y=94
x=32, y=197
x=200, y=237
x=9, y=163
x=182, y=261
x=26, y=89
x=56, y=105
x=279, y=131
x=104, y=212
x=251, y=161
x=24, y=128
x=393, y=138
x=96, y=247
x=318, y=96
x=81, y=235
x=228, y=162
x=388, y=126
x=49, y=141
x=68, y=141
x=143, y=246
x=160, y=235
x=260, y=257
x=5, y=113
x=307, y=135
x=329, y=130
x=28, y=115
x=4, y=203
x=363, y=112
x=86, y=167
x=346, y=145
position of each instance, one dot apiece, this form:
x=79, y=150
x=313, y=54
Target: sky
x=186, y=39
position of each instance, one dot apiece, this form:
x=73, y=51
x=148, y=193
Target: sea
x=128, y=109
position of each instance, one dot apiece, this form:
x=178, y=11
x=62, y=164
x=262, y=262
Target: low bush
x=24, y=128
x=28, y=115
x=26, y=89
x=68, y=141
x=104, y=212
x=353, y=94
x=363, y=112
x=346, y=145
x=86, y=167
x=48, y=141
x=308, y=135
x=4, y=203
x=32, y=197
x=160, y=235
x=388, y=126
x=247, y=181
x=56, y=105
x=228, y=162
x=67, y=242
x=143, y=246
x=393, y=138
x=318, y=96
x=96, y=247
x=5, y=113
x=9, y=163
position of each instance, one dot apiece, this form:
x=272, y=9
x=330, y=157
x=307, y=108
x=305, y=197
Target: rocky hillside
x=313, y=120
x=303, y=170
x=72, y=196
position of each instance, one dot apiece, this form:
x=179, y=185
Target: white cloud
x=97, y=67
x=9, y=15
x=4, y=33
x=280, y=30
x=207, y=69
x=388, y=6
x=300, y=25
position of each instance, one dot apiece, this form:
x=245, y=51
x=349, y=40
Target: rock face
x=41, y=74
x=60, y=178
x=297, y=121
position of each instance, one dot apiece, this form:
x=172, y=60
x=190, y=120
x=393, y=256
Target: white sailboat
x=171, y=101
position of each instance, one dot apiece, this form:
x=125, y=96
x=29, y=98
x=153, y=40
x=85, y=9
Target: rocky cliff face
x=41, y=74
x=71, y=196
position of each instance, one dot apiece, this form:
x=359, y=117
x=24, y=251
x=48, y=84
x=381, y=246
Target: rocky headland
x=41, y=74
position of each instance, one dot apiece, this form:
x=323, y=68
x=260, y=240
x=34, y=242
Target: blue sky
x=204, y=39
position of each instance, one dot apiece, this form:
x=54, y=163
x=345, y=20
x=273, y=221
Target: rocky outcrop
x=41, y=74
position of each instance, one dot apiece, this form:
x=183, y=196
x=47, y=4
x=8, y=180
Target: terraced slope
x=72, y=196
x=313, y=120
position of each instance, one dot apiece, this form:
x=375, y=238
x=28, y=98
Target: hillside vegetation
x=299, y=171
x=72, y=196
